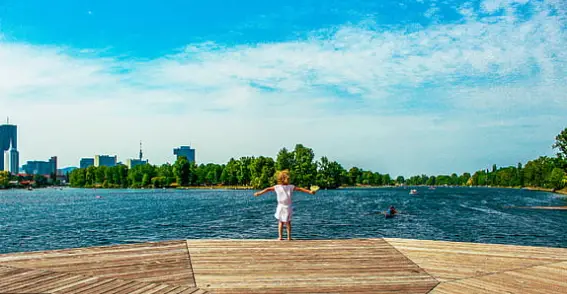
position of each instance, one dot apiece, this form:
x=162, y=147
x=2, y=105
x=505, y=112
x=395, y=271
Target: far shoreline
x=562, y=192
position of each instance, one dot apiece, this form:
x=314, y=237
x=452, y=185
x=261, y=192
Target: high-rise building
x=12, y=160
x=41, y=167
x=104, y=160
x=86, y=162
x=185, y=151
x=8, y=140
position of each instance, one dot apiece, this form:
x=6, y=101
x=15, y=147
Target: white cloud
x=390, y=100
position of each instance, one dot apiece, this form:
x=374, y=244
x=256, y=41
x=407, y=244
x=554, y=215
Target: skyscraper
x=185, y=151
x=12, y=160
x=9, y=140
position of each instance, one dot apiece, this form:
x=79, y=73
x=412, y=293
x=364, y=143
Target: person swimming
x=391, y=211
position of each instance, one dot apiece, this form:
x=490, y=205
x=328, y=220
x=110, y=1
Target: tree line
x=305, y=171
x=256, y=172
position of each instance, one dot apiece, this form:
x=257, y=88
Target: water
x=54, y=219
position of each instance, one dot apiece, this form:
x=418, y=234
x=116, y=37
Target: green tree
x=431, y=181
x=354, y=176
x=181, y=170
x=556, y=179
x=90, y=176
x=165, y=171
x=78, y=178
x=304, y=169
x=100, y=173
x=386, y=179
x=262, y=170
x=229, y=173
x=561, y=144
x=284, y=160
x=146, y=180
x=244, y=175
x=329, y=174
x=4, y=179
x=464, y=179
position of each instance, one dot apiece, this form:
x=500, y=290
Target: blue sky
x=403, y=87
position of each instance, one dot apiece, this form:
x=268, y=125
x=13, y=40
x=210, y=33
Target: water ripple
x=54, y=219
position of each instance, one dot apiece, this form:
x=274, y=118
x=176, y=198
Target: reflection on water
x=53, y=219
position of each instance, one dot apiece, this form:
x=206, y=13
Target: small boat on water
x=413, y=192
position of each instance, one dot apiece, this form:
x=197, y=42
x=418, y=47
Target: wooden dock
x=301, y=266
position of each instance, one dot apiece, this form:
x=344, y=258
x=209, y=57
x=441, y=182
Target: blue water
x=54, y=219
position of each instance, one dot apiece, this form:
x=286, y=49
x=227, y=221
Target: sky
x=399, y=87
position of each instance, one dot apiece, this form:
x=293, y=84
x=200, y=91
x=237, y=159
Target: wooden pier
x=300, y=266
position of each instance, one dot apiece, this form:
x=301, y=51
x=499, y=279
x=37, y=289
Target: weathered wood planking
x=160, y=262
x=267, y=266
x=544, y=279
x=325, y=266
x=18, y=280
x=455, y=260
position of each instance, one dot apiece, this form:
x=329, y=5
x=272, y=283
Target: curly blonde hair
x=283, y=177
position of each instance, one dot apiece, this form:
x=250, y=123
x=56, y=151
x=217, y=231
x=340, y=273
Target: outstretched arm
x=264, y=191
x=303, y=190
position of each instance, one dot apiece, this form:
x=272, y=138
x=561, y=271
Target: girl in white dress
x=284, y=210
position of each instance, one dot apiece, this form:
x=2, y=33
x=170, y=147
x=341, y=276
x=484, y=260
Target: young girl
x=284, y=192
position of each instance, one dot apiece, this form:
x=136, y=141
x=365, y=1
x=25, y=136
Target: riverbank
x=217, y=187
x=562, y=192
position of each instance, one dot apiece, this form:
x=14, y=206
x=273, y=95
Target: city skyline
x=404, y=88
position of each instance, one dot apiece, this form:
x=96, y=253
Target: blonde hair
x=283, y=177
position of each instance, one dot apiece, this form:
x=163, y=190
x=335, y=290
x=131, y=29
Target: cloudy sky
x=399, y=87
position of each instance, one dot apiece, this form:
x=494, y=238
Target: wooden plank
x=323, y=266
x=161, y=262
x=301, y=266
x=545, y=279
x=41, y=278
x=455, y=260
x=46, y=287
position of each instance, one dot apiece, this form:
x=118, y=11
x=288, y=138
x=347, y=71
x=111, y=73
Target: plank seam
x=191, y=264
x=497, y=273
x=426, y=272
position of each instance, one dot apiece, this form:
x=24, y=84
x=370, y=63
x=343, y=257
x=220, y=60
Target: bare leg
x=280, y=230
x=288, y=230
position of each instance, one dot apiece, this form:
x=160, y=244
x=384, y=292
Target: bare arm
x=303, y=190
x=264, y=191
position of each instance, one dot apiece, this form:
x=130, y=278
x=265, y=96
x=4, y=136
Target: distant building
x=185, y=151
x=65, y=171
x=134, y=162
x=41, y=167
x=9, y=140
x=12, y=160
x=86, y=162
x=104, y=160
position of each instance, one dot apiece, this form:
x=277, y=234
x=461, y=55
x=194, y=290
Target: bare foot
x=280, y=239
x=289, y=239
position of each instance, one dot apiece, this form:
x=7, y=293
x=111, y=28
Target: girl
x=284, y=192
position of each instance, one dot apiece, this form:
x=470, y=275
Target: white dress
x=284, y=209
